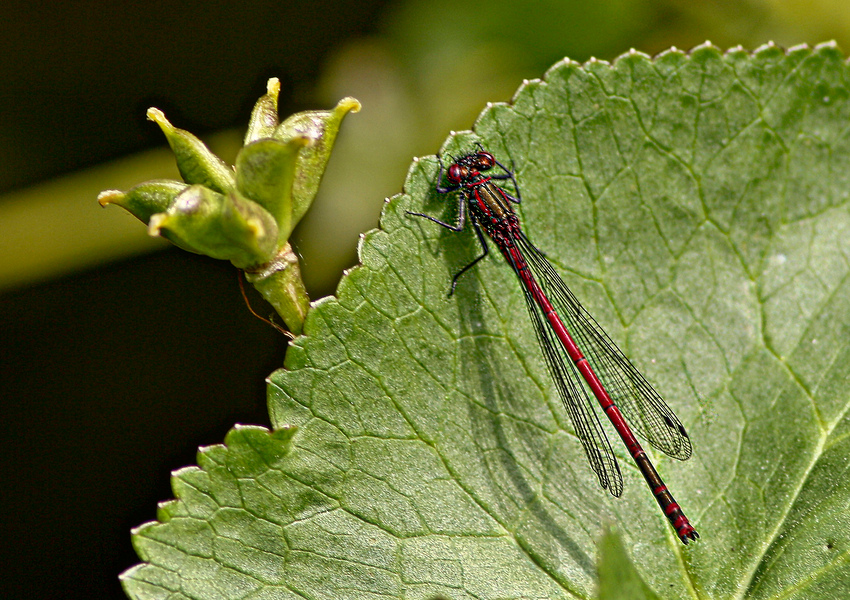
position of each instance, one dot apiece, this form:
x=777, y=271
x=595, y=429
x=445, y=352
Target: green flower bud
x=244, y=215
x=224, y=226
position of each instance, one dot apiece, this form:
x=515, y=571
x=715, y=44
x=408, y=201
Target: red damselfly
x=575, y=347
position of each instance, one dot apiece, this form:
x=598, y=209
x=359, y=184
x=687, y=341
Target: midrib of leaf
x=826, y=432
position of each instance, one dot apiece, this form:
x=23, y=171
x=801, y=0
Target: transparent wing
x=576, y=401
x=642, y=406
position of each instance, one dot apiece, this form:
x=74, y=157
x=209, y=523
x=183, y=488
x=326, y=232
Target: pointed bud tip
x=158, y=117
x=156, y=223
x=110, y=197
x=273, y=86
x=349, y=104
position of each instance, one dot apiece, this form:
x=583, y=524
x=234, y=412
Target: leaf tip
x=706, y=46
x=799, y=48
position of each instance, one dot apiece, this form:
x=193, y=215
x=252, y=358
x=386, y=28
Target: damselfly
x=575, y=347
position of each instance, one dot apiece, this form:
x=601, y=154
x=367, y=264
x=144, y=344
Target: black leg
x=474, y=262
x=461, y=206
x=461, y=216
x=509, y=174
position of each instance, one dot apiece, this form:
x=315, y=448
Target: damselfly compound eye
x=484, y=161
x=458, y=173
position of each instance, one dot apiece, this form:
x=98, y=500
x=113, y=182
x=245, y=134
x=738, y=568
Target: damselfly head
x=467, y=167
x=458, y=172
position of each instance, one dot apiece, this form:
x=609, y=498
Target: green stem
x=280, y=283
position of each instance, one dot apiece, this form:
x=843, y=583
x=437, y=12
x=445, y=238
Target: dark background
x=111, y=377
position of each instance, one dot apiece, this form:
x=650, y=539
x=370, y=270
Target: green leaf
x=697, y=204
x=618, y=579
